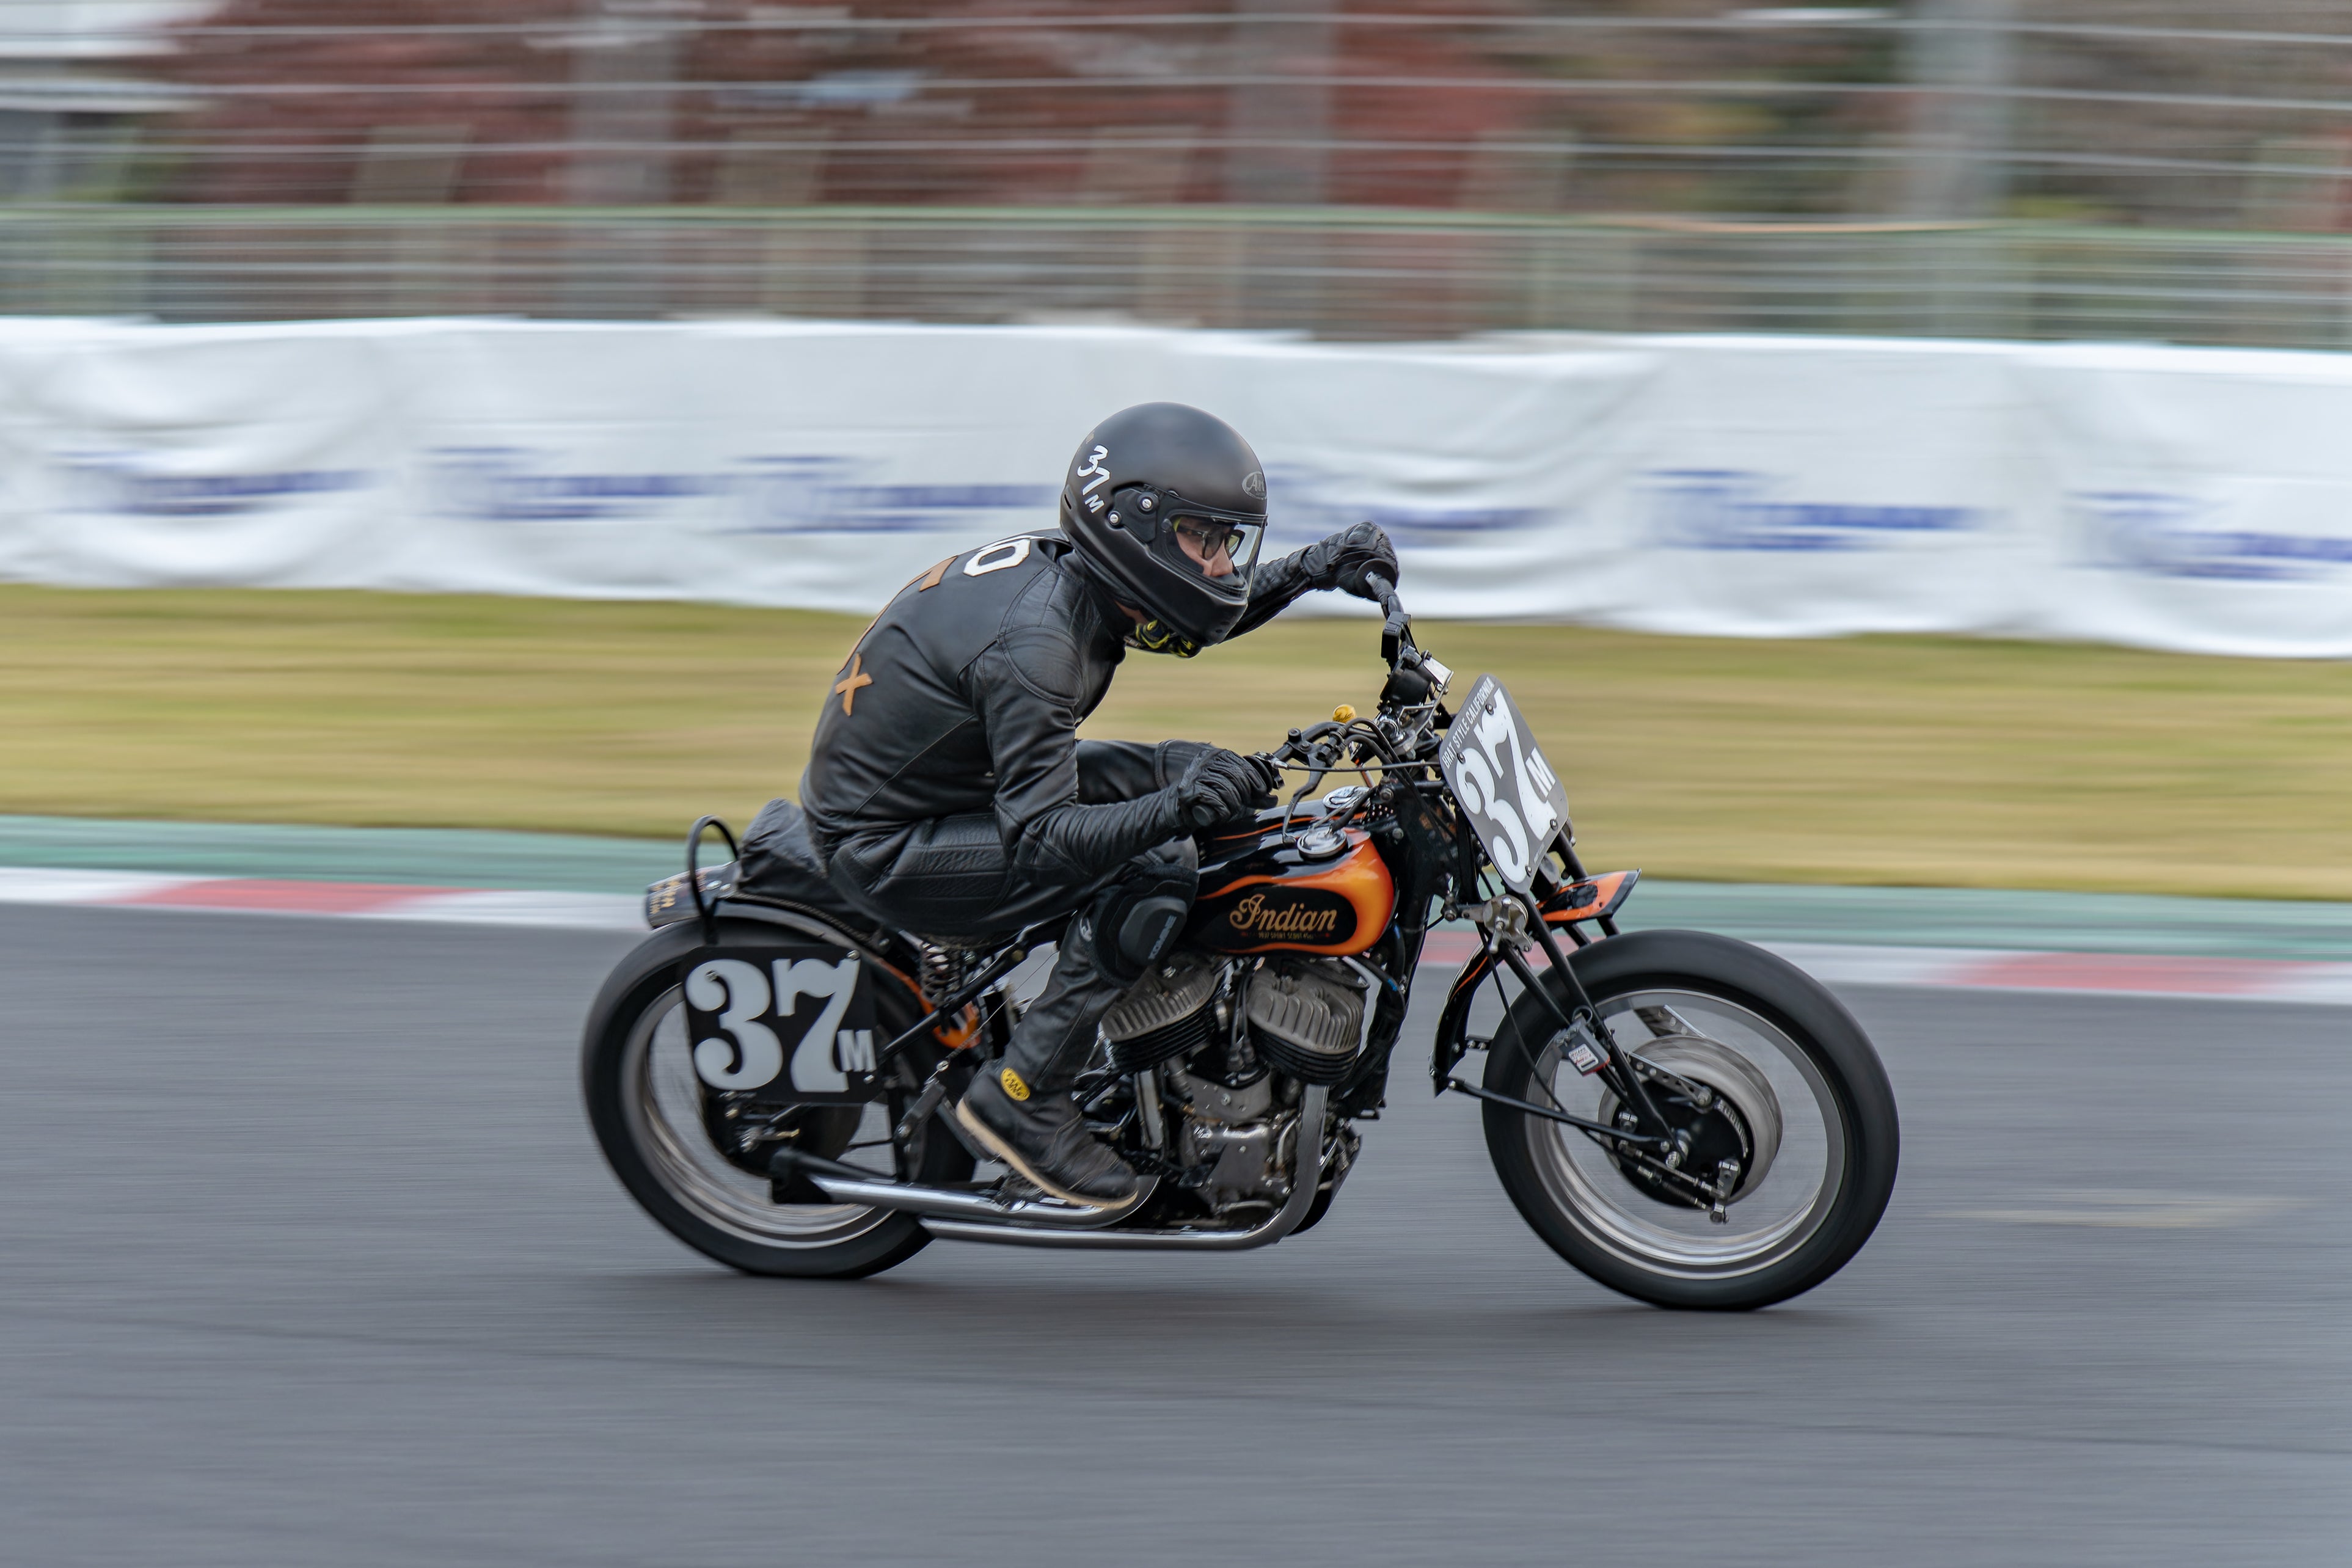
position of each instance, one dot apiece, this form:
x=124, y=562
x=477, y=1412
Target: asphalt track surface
x=310, y=1259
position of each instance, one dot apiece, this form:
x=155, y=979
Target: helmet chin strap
x=1154, y=638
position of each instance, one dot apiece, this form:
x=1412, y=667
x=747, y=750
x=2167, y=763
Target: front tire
x=1802, y=1098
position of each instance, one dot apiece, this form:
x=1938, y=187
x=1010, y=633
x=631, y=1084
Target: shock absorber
x=943, y=969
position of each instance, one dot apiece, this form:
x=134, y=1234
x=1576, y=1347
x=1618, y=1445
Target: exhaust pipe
x=954, y=1215
x=1305, y=1179
x=848, y=1184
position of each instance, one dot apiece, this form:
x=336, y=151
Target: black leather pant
x=949, y=876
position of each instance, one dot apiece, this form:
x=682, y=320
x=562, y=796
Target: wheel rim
x=1776, y=1210
x=661, y=1104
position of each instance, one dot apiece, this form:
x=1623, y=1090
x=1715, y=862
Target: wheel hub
x=1724, y=1116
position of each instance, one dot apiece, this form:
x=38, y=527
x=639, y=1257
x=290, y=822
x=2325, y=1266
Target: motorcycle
x=1685, y=1118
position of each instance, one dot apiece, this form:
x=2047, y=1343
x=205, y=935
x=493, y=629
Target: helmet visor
x=1217, y=546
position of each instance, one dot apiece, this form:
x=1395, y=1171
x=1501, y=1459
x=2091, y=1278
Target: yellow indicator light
x=1343, y=714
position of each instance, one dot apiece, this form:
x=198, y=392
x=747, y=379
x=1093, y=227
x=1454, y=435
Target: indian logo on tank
x=1263, y=917
x=1259, y=915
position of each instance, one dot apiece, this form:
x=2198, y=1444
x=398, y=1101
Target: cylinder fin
x=1306, y=1018
x=1162, y=1015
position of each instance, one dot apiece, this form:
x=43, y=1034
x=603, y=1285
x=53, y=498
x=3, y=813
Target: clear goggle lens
x=1206, y=539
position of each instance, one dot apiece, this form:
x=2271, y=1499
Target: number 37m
x=739, y=992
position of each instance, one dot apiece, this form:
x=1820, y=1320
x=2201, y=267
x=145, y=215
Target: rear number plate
x=791, y=1023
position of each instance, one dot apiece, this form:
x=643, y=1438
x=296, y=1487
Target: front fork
x=1509, y=928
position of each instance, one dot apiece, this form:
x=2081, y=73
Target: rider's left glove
x=1348, y=557
x=1221, y=786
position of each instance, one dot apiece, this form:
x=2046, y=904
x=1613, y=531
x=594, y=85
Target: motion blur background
x=306, y=1255
x=2002, y=168
x=1914, y=211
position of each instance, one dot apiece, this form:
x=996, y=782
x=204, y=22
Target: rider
x=947, y=791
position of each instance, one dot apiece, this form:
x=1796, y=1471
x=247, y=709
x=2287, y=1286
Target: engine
x=1307, y=1016
x=1166, y=1014
x=1224, y=1046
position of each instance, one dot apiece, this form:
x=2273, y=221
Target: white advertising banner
x=1808, y=495
x=2194, y=499
x=2187, y=498
x=228, y=456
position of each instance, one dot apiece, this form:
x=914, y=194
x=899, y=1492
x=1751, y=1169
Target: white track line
x=33, y=884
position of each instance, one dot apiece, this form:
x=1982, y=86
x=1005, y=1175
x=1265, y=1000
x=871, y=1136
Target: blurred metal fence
x=1345, y=272
x=2138, y=169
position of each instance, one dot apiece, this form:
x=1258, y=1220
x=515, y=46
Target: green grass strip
x=1876, y=760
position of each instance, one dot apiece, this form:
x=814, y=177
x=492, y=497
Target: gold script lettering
x=1253, y=916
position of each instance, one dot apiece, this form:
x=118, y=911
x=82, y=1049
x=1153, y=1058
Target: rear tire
x=669, y=1165
x=1790, y=1055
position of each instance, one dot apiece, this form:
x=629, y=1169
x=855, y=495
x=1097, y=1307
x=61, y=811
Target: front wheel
x=1787, y=1140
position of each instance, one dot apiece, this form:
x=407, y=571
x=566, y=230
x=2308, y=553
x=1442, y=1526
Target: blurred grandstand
x=2013, y=168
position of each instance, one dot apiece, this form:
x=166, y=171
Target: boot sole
x=1004, y=1151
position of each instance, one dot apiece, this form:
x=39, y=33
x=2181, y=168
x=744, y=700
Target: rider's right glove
x=1343, y=560
x=1222, y=785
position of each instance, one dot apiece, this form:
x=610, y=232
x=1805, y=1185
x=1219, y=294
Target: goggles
x=1211, y=539
x=1205, y=537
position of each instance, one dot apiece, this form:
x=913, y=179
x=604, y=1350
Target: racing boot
x=1039, y=1133
x=1020, y=1109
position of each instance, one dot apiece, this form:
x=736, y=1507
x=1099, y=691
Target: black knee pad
x=1138, y=918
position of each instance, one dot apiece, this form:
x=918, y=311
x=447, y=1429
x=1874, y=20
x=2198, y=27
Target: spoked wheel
x=696, y=1159
x=1785, y=1132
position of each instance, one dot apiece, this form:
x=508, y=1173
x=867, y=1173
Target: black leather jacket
x=965, y=695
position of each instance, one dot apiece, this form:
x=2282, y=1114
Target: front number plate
x=792, y=1023
x=1509, y=792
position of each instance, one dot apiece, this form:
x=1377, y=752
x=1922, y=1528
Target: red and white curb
x=2106, y=973
x=378, y=901
x=1940, y=968
x=1986, y=969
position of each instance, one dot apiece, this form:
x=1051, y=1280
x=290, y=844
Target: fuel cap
x=1320, y=843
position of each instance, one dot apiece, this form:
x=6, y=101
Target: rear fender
x=751, y=926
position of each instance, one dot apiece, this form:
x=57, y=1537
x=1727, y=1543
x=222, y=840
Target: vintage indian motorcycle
x=1685, y=1118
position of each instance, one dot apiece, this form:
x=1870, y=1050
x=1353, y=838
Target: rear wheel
x=699, y=1172
x=1788, y=1136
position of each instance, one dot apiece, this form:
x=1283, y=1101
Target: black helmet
x=1167, y=506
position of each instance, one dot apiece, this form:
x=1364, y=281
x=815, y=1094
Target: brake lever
x=1396, y=634
x=1396, y=631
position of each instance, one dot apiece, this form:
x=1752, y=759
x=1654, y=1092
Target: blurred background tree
x=2150, y=113
x=1368, y=160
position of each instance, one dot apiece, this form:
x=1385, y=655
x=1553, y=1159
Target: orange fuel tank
x=1259, y=895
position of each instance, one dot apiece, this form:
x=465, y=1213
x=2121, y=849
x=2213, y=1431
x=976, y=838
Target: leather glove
x=1342, y=561
x=1222, y=785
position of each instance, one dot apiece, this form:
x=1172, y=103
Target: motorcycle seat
x=777, y=866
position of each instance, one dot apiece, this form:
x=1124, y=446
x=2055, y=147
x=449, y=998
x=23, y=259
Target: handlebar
x=1416, y=681
x=1396, y=634
x=1414, y=676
